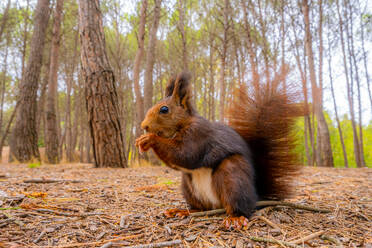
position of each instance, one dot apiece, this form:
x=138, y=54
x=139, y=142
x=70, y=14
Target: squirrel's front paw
x=145, y=142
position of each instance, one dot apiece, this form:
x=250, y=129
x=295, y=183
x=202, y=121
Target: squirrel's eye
x=163, y=110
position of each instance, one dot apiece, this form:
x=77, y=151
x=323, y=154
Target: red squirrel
x=226, y=166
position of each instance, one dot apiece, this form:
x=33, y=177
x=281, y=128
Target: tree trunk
x=325, y=149
x=212, y=105
x=25, y=37
x=250, y=49
x=7, y=129
x=150, y=57
x=3, y=87
x=101, y=96
x=226, y=27
x=51, y=138
x=354, y=62
x=140, y=112
x=181, y=29
x=349, y=90
x=365, y=58
x=346, y=163
x=70, y=131
x=4, y=19
x=24, y=146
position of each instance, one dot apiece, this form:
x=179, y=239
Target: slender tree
x=51, y=138
x=325, y=157
x=4, y=19
x=223, y=55
x=137, y=66
x=100, y=90
x=150, y=57
x=23, y=146
x=349, y=88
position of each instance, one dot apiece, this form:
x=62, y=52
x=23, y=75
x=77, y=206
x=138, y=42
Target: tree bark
x=24, y=146
x=346, y=163
x=140, y=112
x=226, y=27
x=25, y=36
x=365, y=59
x=70, y=131
x=349, y=90
x=100, y=90
x=354, y=62
x=250, y=49
x=4, y=19
x=212, y=105
x=150, y=57
x=325, y=149
x=3, y=86
x=182, y=30
x=51, y=138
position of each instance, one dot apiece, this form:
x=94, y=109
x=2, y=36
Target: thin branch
x=309, y=237
x=264, y=204
x=157, y=245
x=273, y=241
x=92, y=244
x=42, y=180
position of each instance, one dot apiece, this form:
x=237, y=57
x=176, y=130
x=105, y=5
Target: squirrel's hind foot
x=236, y=223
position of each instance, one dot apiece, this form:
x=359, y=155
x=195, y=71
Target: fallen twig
x=331, y=239
x=208, y=213
x=309, y=237
x=270, y=223
x=40, y=237
x=292, y=205
x=43, y=180
x=157, y=245
x=91, y=244
x=42, y=210
x=273, y=241
x=264, y=204
x=122, y=221
x=107, y=245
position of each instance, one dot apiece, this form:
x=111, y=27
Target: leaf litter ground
x=90, y=207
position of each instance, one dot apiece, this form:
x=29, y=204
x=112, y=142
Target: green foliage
x=347, y=133
x=34, y=165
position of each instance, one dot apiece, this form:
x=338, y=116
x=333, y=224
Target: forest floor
x=90, y=207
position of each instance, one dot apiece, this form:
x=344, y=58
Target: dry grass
x=125, y=206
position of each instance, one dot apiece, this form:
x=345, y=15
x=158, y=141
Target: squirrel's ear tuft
x=179, y=89
x=183, y=80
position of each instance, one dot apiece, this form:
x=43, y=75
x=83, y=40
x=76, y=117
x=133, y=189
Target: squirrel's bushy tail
x=265, y=117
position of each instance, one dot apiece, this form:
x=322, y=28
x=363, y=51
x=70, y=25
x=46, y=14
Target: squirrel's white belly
x=203, y=187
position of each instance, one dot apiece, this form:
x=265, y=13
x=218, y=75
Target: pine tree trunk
x=136, y=70
x=349, y=88
x=354, y=62
x=51, y=138
x=325, y=157
x=101, y=96
x=150, y=57
x=346, y=163
x=226, y=27
x=4, y=19
x=24, y=139
x=212, y=105
x=3, y=83
x=182, y=31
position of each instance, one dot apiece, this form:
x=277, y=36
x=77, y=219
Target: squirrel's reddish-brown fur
x=230, y=166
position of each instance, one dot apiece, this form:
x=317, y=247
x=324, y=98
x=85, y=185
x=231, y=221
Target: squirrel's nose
x=145, y=127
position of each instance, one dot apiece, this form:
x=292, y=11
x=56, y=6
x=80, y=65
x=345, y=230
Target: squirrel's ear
x=179, y=90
